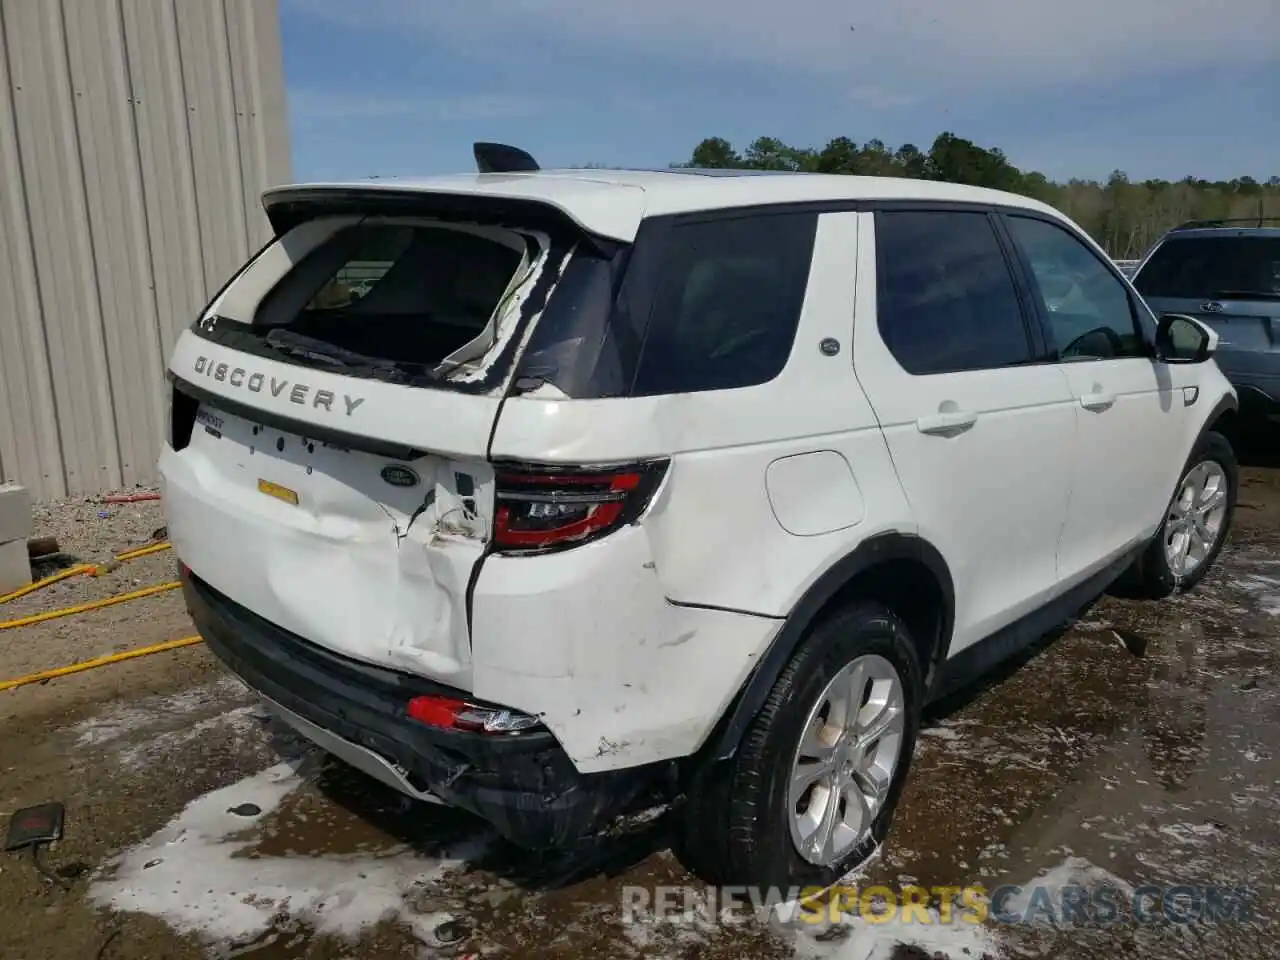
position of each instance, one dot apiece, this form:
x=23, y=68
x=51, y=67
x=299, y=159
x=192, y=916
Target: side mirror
x=1184, y=339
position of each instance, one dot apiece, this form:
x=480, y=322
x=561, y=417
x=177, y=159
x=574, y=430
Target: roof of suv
x=1223, y=230
x=612, y=203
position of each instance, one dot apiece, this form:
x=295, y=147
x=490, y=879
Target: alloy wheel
x=849, y=750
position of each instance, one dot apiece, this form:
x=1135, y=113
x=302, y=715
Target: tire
x=1154, y=577
x=737, y=823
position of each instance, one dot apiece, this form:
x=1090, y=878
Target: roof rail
x=1250, y=221
x=502, y=158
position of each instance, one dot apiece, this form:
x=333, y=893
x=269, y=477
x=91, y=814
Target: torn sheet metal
x=372, y=561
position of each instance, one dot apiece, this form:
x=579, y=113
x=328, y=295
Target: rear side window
x=1205, y=268
x=946, y=299
x=727, y=303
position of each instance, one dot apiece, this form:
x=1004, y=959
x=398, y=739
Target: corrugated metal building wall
x=135, y=139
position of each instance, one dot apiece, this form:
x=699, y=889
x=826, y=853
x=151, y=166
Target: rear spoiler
x=604, y=225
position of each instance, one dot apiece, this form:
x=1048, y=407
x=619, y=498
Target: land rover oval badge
x=399, y=476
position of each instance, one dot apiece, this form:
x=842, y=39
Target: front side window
x=1088, y=308
x=727, y=303
x=946, y=298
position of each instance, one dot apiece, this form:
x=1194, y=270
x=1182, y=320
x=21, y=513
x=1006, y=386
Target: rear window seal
x=325, y=435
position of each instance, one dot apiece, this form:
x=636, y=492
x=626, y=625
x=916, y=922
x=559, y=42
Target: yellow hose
x=83, y=568
x=85, y=607
x=61, y=575
x=99, y=662
x=142, y=551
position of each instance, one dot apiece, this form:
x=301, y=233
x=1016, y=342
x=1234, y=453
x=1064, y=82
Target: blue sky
x=1158, y=88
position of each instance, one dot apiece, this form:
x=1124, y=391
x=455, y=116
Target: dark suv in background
x=1226, y=273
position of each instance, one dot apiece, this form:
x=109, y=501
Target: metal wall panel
x=135, y=139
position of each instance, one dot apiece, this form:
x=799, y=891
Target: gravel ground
x=85, y=535
x=198, y=828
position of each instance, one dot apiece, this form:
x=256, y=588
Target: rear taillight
x=448, y=713
x=547, y=509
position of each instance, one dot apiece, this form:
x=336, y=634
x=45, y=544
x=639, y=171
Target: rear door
x=332, y=414
x=1228, y=278
x=982, y=436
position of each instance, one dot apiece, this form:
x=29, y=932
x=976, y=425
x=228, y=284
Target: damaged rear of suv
x=471, y=616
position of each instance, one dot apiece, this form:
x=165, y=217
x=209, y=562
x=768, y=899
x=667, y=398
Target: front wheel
x=1196, y=522
x=812, y=789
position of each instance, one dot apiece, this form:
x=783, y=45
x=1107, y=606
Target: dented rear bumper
x=522, y=783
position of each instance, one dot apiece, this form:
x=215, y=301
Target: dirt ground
x=1137, y=749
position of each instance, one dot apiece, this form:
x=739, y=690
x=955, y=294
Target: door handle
x=949, y=423
x=1098, y=401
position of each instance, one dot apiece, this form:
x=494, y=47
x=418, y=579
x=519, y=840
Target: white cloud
x=903, y=49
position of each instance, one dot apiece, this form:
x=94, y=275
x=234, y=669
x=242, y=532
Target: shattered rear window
x=409, y=295
x=418, y=302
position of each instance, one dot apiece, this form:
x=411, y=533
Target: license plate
x=278, y=491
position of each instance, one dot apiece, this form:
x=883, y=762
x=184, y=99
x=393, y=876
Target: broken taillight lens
x=541, y=509
x=449, y=713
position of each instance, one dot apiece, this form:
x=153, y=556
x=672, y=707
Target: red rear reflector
x=436, y=711
x=450, y=713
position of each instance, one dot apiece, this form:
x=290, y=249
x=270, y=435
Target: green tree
x=1125, y=216
x=715, y=153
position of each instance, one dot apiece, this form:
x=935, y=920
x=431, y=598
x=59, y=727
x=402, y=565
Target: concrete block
x=15, y=513
x=15, y=568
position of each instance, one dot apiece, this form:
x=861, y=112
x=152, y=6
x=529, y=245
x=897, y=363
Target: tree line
x=1126, y=217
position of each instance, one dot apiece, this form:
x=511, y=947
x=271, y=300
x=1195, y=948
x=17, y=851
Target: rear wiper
x=1249, y=294
x=319, y=351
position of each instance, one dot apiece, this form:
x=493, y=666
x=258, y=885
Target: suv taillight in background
x=544, y=508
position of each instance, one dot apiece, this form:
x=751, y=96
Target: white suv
x=530, y=492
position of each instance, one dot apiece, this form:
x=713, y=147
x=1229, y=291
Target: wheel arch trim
x=876, y=550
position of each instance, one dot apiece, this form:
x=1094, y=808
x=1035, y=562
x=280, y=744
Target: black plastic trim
x=979, y=658
x=951, y=672
x=849, y=206
x=338, y=438
x=523, y=783
x=1042, y=349
x=1226, y=404
x=871, y=552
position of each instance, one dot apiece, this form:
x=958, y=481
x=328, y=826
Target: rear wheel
x=1196, y=523
x=811, y=792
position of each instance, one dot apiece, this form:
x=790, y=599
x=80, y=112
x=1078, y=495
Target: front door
x=1131, y=411
x=982, y=437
